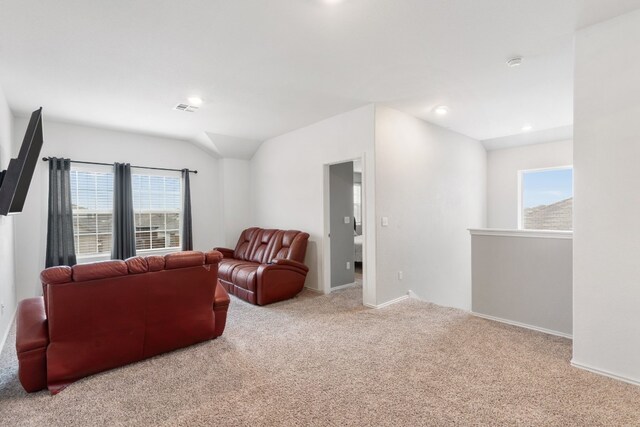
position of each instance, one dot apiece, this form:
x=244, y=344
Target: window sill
x=540, y=234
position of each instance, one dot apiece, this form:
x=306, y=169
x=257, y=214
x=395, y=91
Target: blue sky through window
x=545, y=187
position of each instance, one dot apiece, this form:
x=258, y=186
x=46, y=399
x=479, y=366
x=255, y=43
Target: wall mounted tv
x=15, y=181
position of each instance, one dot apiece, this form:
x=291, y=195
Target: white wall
x=431, y=184
x=236, y=198
x=7, y=275
x=606, y=285
x=287, y=180
x=100, y=145
x=502, y=176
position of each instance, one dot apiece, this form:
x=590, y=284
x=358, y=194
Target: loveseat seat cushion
x=245, y=277
x=228, y=265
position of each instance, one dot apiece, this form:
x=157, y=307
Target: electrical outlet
x=348, y=265
x=400, y=275
x=385, y=221
x=347, y=220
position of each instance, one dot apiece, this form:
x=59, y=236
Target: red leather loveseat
x=98, y=316
x=266, y=265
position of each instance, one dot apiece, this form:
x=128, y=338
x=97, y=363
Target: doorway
x=344, y=225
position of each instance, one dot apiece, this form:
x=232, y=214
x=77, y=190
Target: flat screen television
x=15, y=181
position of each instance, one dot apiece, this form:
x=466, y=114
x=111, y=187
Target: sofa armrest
x=226, y=252
x=221, y=302
x=31, y=325
x=280, y=280
x=290, y=263
x=213, y=257
x=32, y=339
x=221, y=297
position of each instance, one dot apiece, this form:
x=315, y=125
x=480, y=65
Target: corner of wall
x=8, y=292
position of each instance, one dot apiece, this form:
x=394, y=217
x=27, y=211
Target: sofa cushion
x=183, y=259
x=54, y=275
x=228, y=265
x=155, y=262
x=261, y=245
x=245, y=244
x=295, y=244
x=99, y=270
x=287, y=244
x=137, y=265
x=245, y=277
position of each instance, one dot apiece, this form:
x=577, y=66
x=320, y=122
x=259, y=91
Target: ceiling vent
x=186, y=107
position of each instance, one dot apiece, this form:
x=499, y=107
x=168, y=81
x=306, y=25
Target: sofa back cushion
x=264, y=245
x=261, y=245
x=245, y=243
x=289, y=244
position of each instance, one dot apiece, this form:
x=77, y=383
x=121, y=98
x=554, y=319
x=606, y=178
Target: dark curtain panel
x=124, y=231
x=60, y=247
x=187, y=232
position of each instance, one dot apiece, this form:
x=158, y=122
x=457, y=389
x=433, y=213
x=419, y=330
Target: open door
x=341, y=224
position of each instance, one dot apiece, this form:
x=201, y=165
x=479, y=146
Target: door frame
x=326, y=243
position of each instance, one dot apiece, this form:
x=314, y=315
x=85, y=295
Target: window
x=157, y=203
x=357, y=203
x=92, y=204
x=547, y=199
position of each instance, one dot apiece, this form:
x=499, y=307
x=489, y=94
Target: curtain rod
x=46, y=159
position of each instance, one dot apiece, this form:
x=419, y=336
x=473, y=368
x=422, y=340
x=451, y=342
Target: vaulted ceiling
x=267, y=67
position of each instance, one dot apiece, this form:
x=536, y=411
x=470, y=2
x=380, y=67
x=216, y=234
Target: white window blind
x=92, y=203
x=157, y=205
x=157, y=201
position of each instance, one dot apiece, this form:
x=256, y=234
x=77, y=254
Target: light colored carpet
x=328, y=361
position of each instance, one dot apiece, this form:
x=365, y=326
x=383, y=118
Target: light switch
x=385, y=221
x=347, y=220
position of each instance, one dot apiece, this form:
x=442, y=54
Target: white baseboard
x=348, y=285
x=604, y=373
x=315, y=291
x=523, y=325
x=388, y=303
x=6, y=333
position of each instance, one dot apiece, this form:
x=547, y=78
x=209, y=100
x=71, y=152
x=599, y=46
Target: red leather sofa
x=98, y=316
x=266, y=265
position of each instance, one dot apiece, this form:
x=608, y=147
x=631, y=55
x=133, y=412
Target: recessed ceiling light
x=442, y=110
x=514, y=62
x=195, y=100
x=526, y=128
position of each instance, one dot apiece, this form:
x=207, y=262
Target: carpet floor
x=325, y=360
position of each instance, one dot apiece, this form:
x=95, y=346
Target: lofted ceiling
x=264, y=67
